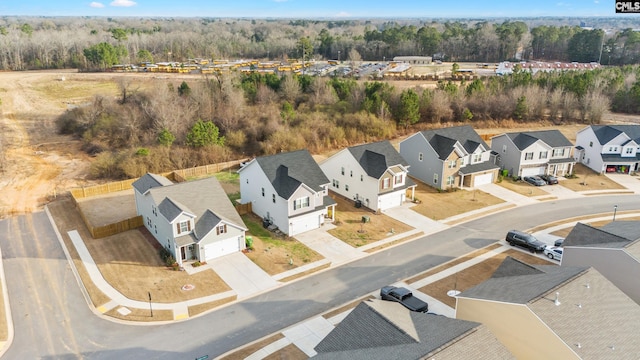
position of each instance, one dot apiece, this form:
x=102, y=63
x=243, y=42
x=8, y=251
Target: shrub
x=142, y=152
x=196, y=264
x=167, y=257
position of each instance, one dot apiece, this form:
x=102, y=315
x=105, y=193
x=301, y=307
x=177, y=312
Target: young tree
x=166, y=138
x=521, y=111
x=409, y=111
x=184, y=89
x=204, y=133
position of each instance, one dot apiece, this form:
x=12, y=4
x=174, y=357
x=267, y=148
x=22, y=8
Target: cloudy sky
x=309, y=8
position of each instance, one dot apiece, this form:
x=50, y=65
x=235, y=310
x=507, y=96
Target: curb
x=7, y=310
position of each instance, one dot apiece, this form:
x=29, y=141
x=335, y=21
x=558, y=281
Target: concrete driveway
x=405, y=215
x=560, y=191
x=242, y=275
x=628, y=181
x=327, y=245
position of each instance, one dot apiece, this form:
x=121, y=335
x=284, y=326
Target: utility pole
x=150, y=308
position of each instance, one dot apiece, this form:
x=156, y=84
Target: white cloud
x=96, y=5
x=342, y=14
x=123, y=3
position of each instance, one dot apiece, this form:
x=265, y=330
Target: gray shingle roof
x=629, y=230
x=148, y=181
x=204, y=198
x=606, y=133
x=474, y=168
x=442, y=140
x=375, y=158
x=588, y=236
x=610, y=158
x=378, y=329
x=171, y=209
x=287, y=171
x=525, y=285
x=553, y=138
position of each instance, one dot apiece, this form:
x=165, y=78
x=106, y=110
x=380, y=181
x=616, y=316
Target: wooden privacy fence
x=115, y=228
x=243, y=208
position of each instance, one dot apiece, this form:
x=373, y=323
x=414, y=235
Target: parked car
x=558, y=242
x=549, y=179
x=535, y=180
x=404, y=297
x=515, y=237
x=554, y=253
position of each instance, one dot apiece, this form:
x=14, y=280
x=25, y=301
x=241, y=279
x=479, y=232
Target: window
x=273, y=198
x=420, y=156
x=398, y=179
x=155, y=228
x=504, y=148
x=452, y=164
x=183, y=226
x=351, y=173
x=590, y=143
x=528, y=156
x=342, y=170
x=450, y=180
x=435, y=178
x=477, y=157
x=610, y=148
x=462, y=161
x=629, y=151
x=221, y=229
x=361, y=177
x=386, y=182
x=336, y=184
x=346, y=187
x=148, y=221
x=543, y=154
x=262, y=192
x=300, y=203
x=558, y=152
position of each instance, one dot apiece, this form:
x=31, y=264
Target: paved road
x=54, y=321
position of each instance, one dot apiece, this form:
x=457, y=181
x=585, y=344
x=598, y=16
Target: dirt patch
x=474, y=275
x=131, y=264
x=244, y=352
x=109, y=208
x=276, y=255
x=438, y=205
x=289, y=352
x=522, y=187
x=587, y=179
x=351, y=229
x=453, y=263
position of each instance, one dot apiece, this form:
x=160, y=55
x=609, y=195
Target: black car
x=515, y=237
x=550, y=179
x=535, y=180
x=404, y=297
x=558, y=242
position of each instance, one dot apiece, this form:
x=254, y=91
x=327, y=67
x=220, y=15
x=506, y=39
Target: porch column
x=570, y=168
x=413, y=193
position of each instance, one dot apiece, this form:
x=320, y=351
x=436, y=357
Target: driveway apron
x=242, y=275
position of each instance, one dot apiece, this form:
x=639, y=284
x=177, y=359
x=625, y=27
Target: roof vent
x=612, y=347
x=587, y=286
x=579, y=345
x=579, y=306
x=557, y=300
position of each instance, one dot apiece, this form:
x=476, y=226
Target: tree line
x=93, y=42
x=178, y=124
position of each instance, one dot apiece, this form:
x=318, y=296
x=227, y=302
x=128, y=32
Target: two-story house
x=373, y=175
x=554, y=312
x=192, y=220
x=449, y=157
x=532, y=153
x=609, y=148
x=288, y=191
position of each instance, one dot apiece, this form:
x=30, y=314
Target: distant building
x=415, y=60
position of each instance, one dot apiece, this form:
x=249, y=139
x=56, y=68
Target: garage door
x=533, y=171
x=221, y=248
x=483, y=179
x=305, y=223
x=391, y=200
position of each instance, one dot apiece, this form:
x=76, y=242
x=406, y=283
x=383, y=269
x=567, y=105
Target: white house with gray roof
x=613, y=250
x=554, y=312
x=373, y=175
x=194, y=220
x=530, y=153
x=609, y=148
x=288, y=191
x=451, y=157
x=378, y=329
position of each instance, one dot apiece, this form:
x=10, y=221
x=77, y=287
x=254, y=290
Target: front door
x=183, y=253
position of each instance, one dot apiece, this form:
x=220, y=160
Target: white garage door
x=305, y=223
x=391, y=200
x=221, y=248
x=483, y=179
x=533, y=171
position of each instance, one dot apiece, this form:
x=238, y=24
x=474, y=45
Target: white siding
x=592, y=149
